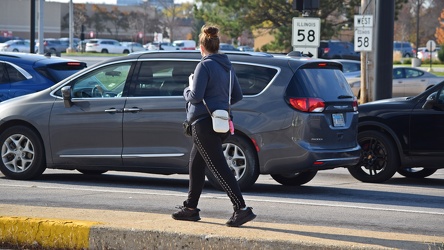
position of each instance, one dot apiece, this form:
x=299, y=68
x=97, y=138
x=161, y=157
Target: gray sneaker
x=186, y=214
x=241, y=217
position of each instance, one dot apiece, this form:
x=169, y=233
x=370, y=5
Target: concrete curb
x=42, y=233
x=105, y=230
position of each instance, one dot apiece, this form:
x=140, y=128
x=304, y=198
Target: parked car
x=245, y=48
x=15, y=46
x=424, y=54
x=403, y=135
x=227, y=47
x=333, y=49
x=133, y=46
x=405, y=48
x=52, y=46
x=351, y=68
x=23, y=73
x=126, y=114
x=106, y=46
x=75, y=42
x=81, y=46
x=407, y=81
x=161, y=46
x=185, y=44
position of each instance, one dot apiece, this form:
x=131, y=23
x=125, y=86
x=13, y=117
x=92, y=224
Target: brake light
x=322, y=64
x=73, y=64
x=308, y=104
x=355, y=105
x=326, y=50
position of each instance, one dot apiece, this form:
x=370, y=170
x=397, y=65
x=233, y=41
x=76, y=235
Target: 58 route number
x=310, y=36
x=306, y=32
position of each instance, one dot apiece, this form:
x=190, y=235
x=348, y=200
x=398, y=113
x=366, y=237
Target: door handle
x=133, y=110
x=113, y=110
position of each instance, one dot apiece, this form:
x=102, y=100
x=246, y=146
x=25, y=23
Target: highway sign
x=306, y=32
x=431, y=45
x=363, y=32
x=363, y=21
x=307, y=51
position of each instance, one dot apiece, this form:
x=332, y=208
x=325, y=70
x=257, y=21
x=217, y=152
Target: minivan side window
x=253, y=79
x=161, y=78
x=104, y=82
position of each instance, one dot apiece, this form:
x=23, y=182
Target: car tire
x=23, y=154
x=126, y=51
x=379, y=159
x=92, y=172
x=242, y=161
x=417, y=173
x=296, y=179
x=104, y=51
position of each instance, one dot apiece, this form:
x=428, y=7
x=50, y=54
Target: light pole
x=70, y=49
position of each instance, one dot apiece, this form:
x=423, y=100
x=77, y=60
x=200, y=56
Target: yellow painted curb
x=51, y=233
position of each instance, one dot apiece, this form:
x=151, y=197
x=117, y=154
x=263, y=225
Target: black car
x=126, y=114
x=333, y=49
x=404, y=135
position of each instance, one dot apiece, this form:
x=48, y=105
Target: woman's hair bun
x=211, y=31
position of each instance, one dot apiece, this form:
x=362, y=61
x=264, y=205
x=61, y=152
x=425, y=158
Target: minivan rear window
x=325, y=83
x=59, y=71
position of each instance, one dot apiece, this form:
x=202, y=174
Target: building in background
x=160, y=4
x=15, y=21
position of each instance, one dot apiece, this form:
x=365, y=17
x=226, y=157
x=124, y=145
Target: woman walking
x=211, y=84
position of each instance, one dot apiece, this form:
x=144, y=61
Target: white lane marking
x=246, y=199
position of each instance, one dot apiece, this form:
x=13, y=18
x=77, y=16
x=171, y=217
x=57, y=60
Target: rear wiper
x=345, y=96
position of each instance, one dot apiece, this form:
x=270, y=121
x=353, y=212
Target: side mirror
x=66, y=93
x=430, y=101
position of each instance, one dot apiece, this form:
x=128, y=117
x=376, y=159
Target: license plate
x=338, y=120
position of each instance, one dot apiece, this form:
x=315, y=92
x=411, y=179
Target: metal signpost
x=431, y=46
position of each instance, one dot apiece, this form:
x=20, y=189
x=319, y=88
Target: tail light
x=355, y=105
x=326, y=50
x=45, y=43
x=308, y=104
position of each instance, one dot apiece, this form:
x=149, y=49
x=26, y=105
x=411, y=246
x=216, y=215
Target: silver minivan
x=125, y=114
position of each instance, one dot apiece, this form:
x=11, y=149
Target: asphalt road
x=332, y=198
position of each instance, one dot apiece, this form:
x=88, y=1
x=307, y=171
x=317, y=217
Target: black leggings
x=207, y=151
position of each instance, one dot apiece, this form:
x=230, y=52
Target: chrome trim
x=336, y=159
x=124, y=156
x=20, y=69
x=89, y=156
x=152, y=155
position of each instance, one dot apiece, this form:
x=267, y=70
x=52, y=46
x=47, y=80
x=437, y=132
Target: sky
x=104, y=1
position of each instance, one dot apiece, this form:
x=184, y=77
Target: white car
x=106, y=46
x=133, y=46
x=407, y=81
x=161, y=46
x=424, y=54
x=15, y=46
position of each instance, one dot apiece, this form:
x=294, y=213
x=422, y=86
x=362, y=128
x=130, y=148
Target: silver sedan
x=407, y=81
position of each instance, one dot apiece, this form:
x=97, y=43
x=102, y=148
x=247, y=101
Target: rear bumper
x=313, y=160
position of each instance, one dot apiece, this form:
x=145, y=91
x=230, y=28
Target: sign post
x=305, y=35
x=431, y=46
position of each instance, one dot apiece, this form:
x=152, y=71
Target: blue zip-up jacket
x=211, y=82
